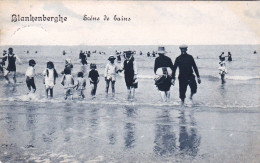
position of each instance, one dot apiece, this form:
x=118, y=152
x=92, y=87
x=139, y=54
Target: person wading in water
x=186, y=63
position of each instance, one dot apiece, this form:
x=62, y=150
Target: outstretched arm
x=155, y=66
x=174, y=68
x=19, y=60
x=196, y=70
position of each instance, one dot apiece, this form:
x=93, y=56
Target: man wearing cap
x=186, y=63
x=163, y=68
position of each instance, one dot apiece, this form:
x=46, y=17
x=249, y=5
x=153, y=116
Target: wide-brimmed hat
x=128, y=52
x=183, y=46
x=111, y=57
x=161, y=50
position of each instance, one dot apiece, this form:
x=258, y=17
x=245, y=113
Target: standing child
x=94, y=79
x=68, y=83
x=110, y=74
x=50, y=78
x=81, y=85
x=30, y=73
x=222, y=71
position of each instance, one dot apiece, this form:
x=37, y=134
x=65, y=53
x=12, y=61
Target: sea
x=241, y=88
x=54, y=126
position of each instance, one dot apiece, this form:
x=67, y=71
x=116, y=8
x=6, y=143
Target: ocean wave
x=242, y=77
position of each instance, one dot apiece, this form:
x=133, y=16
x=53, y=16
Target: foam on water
x=242, y=77
x=114, y=102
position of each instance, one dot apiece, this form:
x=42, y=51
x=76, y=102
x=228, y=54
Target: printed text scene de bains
x=105, y=18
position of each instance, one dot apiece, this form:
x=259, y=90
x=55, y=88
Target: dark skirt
x=129, y=81
x=163, y=83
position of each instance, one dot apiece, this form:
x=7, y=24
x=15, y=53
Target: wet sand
x=72, y=132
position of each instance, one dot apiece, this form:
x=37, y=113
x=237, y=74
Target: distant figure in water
x=29, y=74
x=27, y=51
x=81, y=85
x=255, y=52
x=148, y=54
x=229, y=57
x=83, y=58
x=222, y=71
x=130, y=69
x=88, y=54
x=11, y=67
x=64, y=53
x=110, y=74
x=50, y=75
x=36, y=52
x=163, y=69
x=153, y=54
x=93, y=78
x=68, y=83
x=222, y=57
x=141, y=53
x=186, y=65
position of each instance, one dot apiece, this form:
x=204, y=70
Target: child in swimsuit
x=94, y=78
x=222, y=70
x=50, y=75
x=30, y=73
x=81, y=85
x=68, y=83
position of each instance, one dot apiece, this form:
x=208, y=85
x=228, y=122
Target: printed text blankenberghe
x=55, y=19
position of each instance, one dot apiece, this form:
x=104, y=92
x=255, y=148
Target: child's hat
x=111, y=57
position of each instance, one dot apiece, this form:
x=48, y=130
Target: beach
x=220, y=124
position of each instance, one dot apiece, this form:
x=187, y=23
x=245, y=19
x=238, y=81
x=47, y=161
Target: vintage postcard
x=129, y=81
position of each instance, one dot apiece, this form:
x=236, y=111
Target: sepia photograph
x=129, y=81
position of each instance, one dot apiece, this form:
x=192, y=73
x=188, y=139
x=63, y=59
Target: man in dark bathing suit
x=11, y=68
x=186, y=63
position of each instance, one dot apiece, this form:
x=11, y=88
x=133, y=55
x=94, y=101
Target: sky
x=152, y=23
